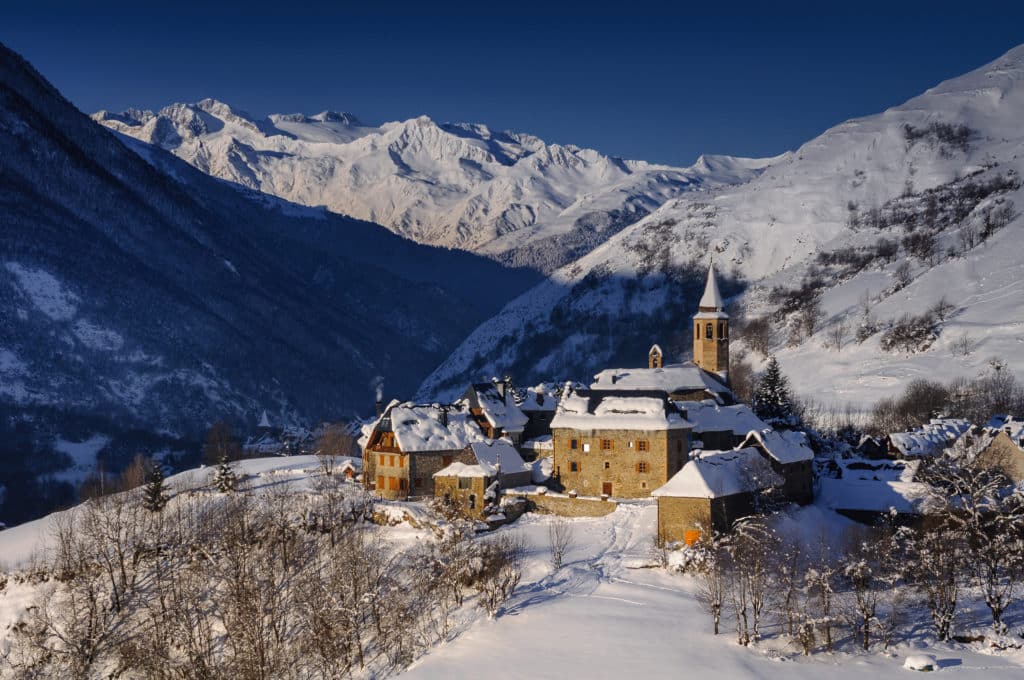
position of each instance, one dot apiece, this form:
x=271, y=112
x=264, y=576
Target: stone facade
x=1004, y=455
x=465, y=492
x=619, y=463
x=399, y=475
x=688, y=519
x=711, y=344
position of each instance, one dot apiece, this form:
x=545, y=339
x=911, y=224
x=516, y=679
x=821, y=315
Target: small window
x=574, y=466
x=391, y=461
x=709, y=331
x=721, y=329
x=607, y=465
x=380, y=483
x=465, y=483
x=642, y=467
x=472, y=501
x=642, y=445
x=586, y=448
x=696, y=332
x=401, y=461
x=401, y=484
x=607, y=444
x=574, y=444
x=380, y=459
x=643, y=485
x=446, y=461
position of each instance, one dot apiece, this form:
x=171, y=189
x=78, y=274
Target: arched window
x=709, y=331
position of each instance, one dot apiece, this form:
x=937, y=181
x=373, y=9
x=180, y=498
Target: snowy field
x=609, y=611
x=599, y=616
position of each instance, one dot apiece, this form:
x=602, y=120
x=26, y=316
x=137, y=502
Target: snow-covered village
x=335, y=395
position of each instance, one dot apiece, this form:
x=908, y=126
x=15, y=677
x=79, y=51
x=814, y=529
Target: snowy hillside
x=612, y=609
x=147, y=295
x=506, y=194
x=934, y=183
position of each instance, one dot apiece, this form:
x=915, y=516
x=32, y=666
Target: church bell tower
x=711, y=330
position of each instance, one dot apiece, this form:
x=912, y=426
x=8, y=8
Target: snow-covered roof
x=500, y=411
x=872, y=496
x=656, y=349
x=539, y=398
x=618, y=410
x=674, y=378
x=784, y=446
x=423, y=428
x=489, y=455
x=720, y=473
x=712, y=297
x=1010, y=425
x=709, y=416
x=930, y=439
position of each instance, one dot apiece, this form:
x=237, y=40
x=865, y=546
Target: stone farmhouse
x=622, y=443
x=410, y=442
x=710, y=493
x=497, y=465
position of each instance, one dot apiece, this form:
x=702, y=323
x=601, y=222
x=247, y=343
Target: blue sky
x=658, y=81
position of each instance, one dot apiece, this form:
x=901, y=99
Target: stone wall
x=571, y=507
x=449, y=486
x=618, y=466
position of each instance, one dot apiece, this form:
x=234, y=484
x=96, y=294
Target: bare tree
x=837, y=334
x=560, y=540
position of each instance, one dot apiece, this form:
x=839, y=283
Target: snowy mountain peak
x=458, y=185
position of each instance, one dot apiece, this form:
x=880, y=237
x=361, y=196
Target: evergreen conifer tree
x=225, y=477
x=773, y=402
x=155, y=496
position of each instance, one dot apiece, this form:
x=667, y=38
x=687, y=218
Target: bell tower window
x=709, y=331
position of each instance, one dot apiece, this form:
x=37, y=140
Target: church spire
x=712, y=299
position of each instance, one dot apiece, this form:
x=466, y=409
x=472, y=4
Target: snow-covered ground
x=603, y=616
x=609, y=611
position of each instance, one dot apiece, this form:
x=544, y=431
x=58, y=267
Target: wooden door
x=606, y=488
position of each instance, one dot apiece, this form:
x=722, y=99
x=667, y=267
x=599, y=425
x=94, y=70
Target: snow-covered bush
x=911, y=334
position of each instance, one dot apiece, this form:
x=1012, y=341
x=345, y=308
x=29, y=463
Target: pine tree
x=773, y=402
x=225, y=477
x=154, y=496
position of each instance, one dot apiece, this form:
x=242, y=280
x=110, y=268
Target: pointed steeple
x=712, y=299
x=264, y=420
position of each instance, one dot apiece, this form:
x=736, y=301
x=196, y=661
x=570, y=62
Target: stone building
x=467, y=484
x=790, y=457
x=617, y=443
x=717, y=427
x=410, y=442
x=1000, y=446
x=710, y=493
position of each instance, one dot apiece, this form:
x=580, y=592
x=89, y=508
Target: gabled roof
x=709, y=416
x=539, y=398
x=489, y=456
x=784, y=446
x=931, y=439
x=426, y=428
x=673, y=378
x=597, y=409
x=715, y=474
x=712, y=298
x=500, y=411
